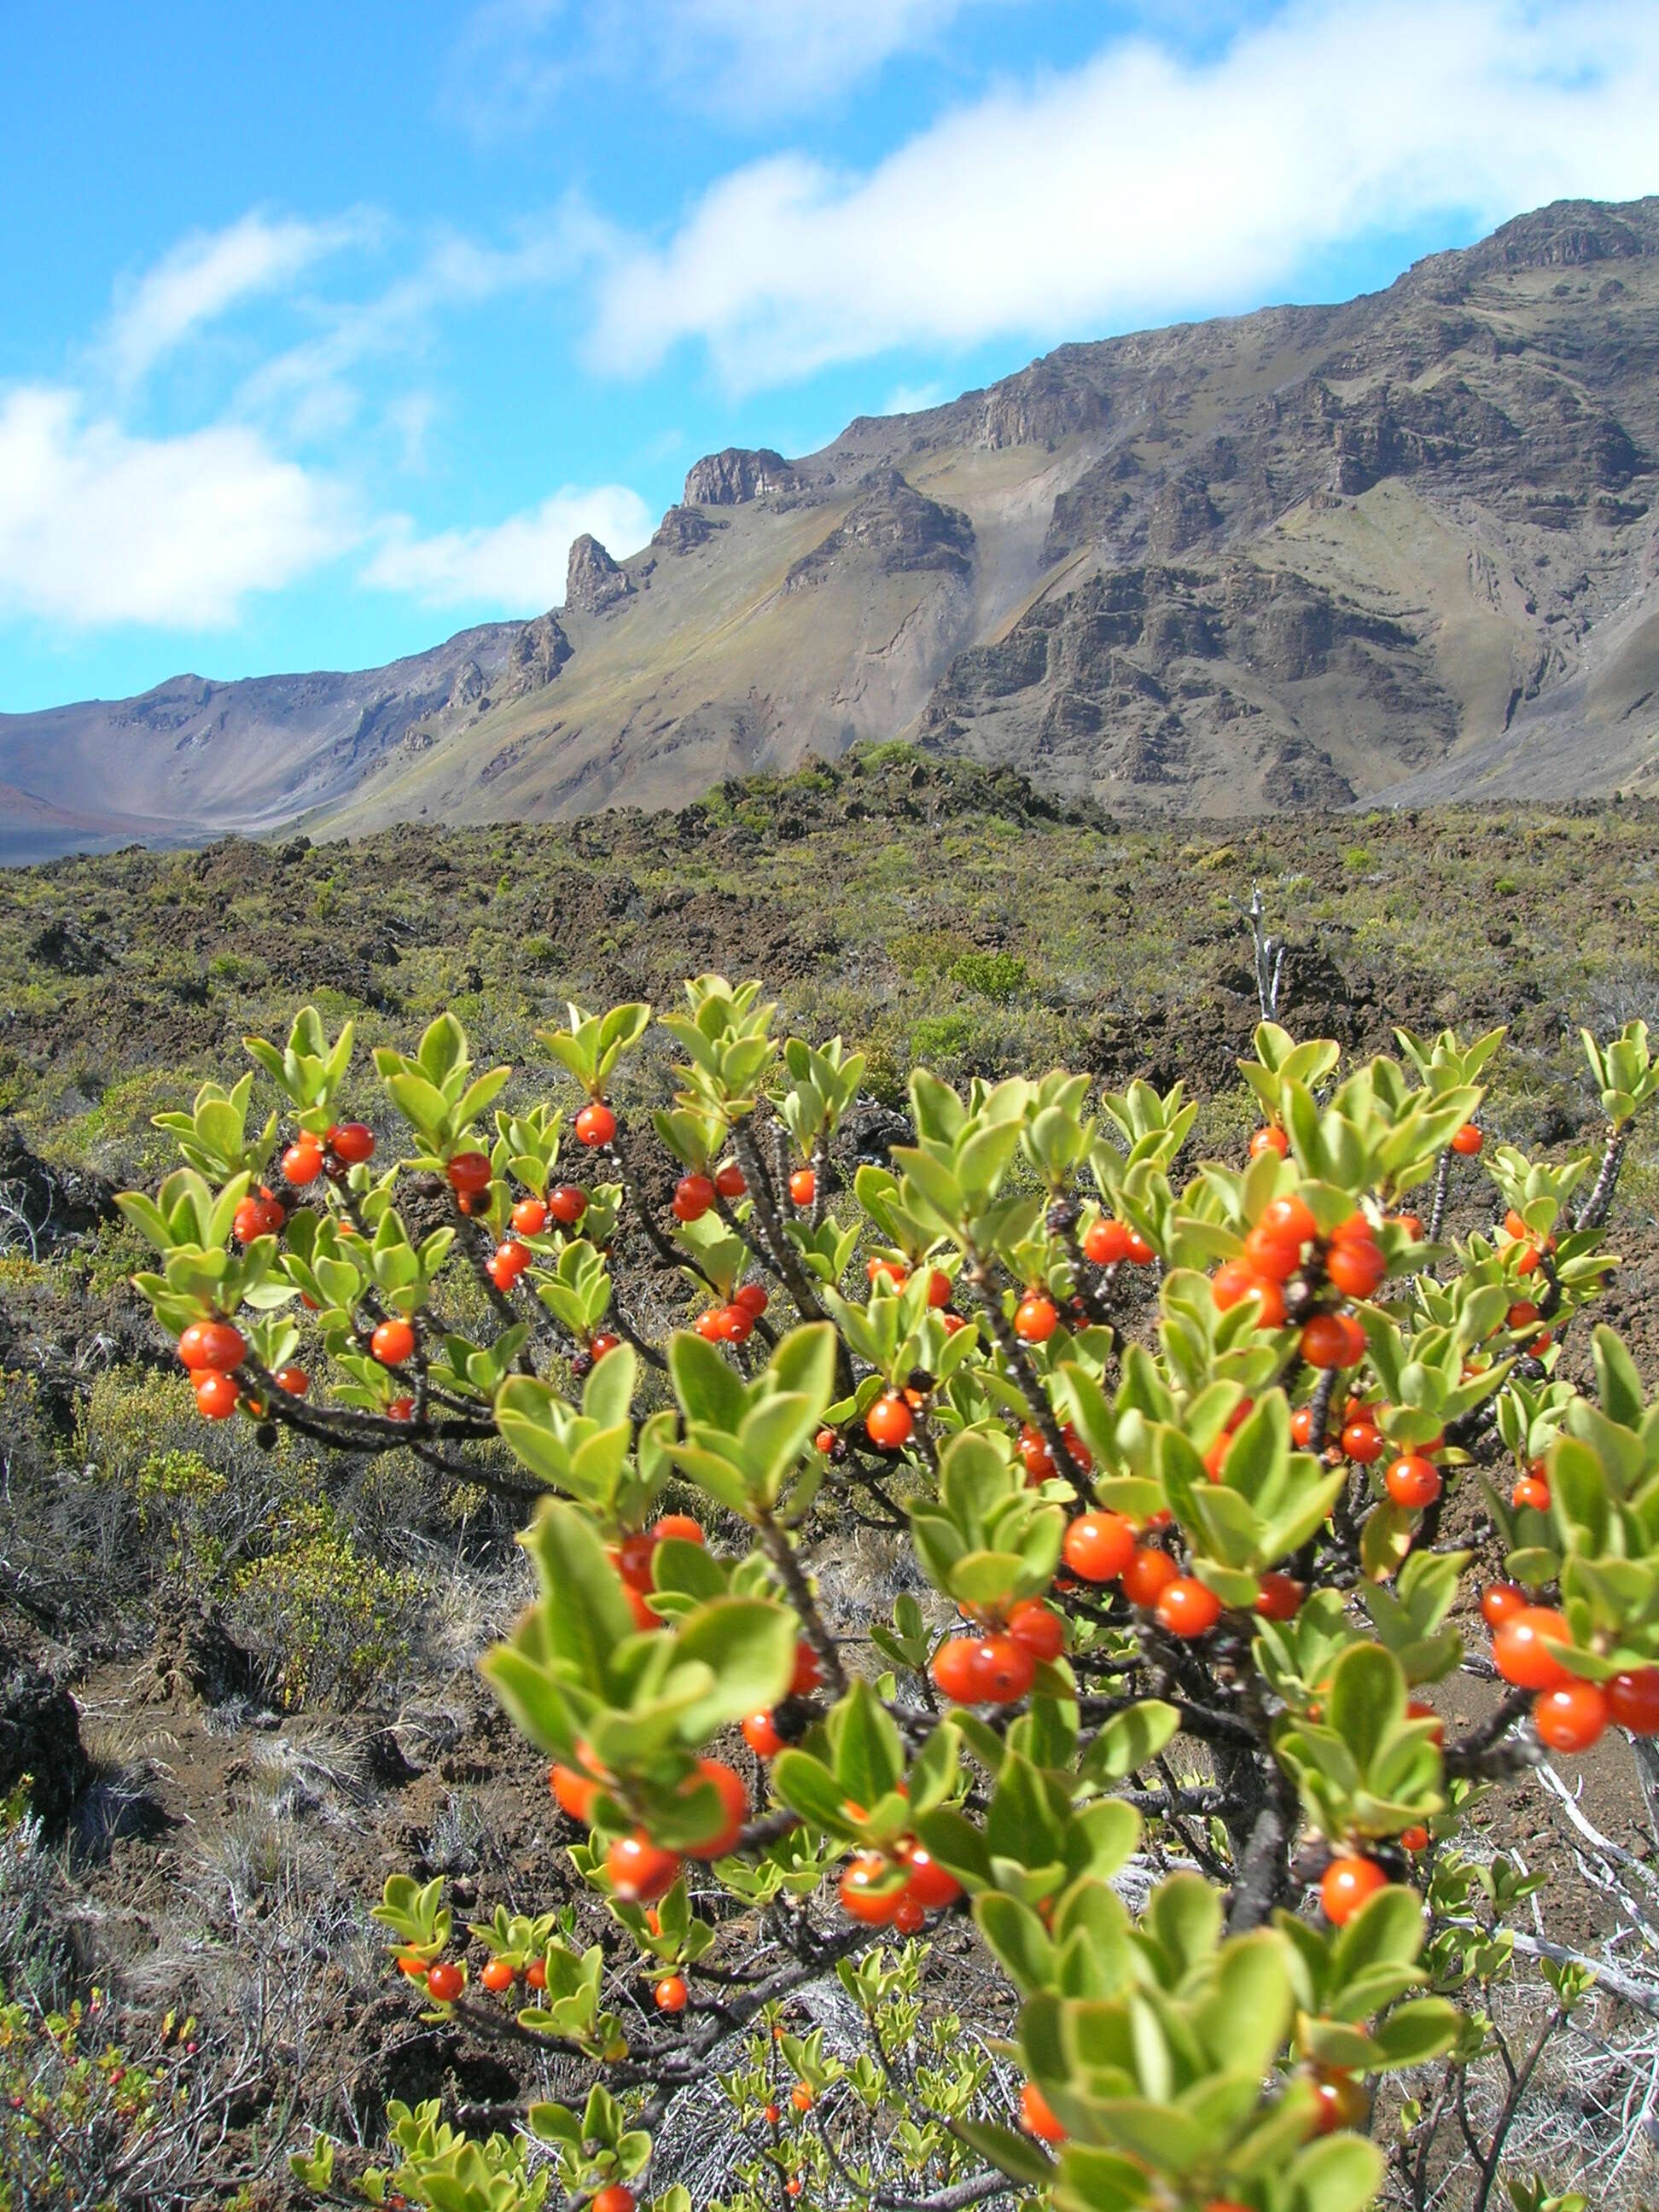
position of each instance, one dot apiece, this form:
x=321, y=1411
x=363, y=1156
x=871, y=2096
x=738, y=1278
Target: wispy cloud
x=515, y=567
x=209, y=273
x=1147, y=183
x=98, y=527
x=750, y=61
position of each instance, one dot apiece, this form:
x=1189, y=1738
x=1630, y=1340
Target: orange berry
x=1347, y=1884
x=1004, y=1670
x=1038, y=1627
x=1188, y=1608
x=1036, y=1318
x=734, y=1800
x=680, y=1526
x=1531, y=1490
x=890, y=1422
x=1414, y=1840
x=574, y=1792
x=215, y=1394
x=1412, y=1482
x=1571, y=1717
x=1467, y=1140
x=1269, y=1140
x=302, y=1163
x=613, y=2198
x=670, y=1994
x=1037, y=2116
x=567, y=1204
x=1141, y=1254
x=1098, y=1547
x=929, y=1883
x=760, y=1732
x=535, y=1974
x=529, y=1217
x=802, y=1187
x=445, y=1981
x=1333, y=1340
x=595, y=1125
x=1355, y=1269
x=801, y=2096
x=1523, y=1649
x=640, y=1871
x=1363, y=1443
x=1148, y=1575
x=1499, y=1601
x=1106, y=1241
x=211, y=1345
x=392, y=1343
x=497, y=1976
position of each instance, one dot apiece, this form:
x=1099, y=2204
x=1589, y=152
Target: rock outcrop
x=593, y=581
x=682, y=528
x=536, y=656
x=896, y=527
x=737, y=474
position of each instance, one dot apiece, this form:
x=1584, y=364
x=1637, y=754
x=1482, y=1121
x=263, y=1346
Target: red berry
x=760, y=1732
x=1412, y=1482
x=693, y=1196
x=215, y=1394
x=890, y=1422
x=751, y=1297
x=1571, y=1717
x=302, y=1163
x=729, y=1181
x=613, y=2198
x=352, y=1142
x=535, y=1974
x=801, y=2096
x=211, y=1344
x=733, y=1324
x=802, y=1187
x=954, y=1668
x=939, y=1288
x=596, y=1124
x=1106, y=1241
x=1141, y=1254
x=1098, y=1547
x=1270, y=1139
x=1036, y=1318
x=294, y=1380
x=1363, y=1443
x=469, y=1174
x=1333, y=1340
x=1467, y=1140
x=640, y=1871
x=599, y=1345
x=1188, y=1608
x=1302, y=1426
x=670, y=1994
x=401, y=1409
x=1347, y=1884
x=1633, y=1700
x=1414, y=1840
x=928, y=1882
x=392, y=1343
x=530, y=1216
x=1004, y=1670
x=809, y=1671
x=1148, y=1574
x=248, y=1221
x=573, y=1792
x=1272, y=1258
x=497, y=1976
x=885, y=1276
x=446, y=1981
x=1523, y=1649
x=567, y=1204
x=909, y=1916
x=1289, y=1221
x=868, y=1893
x=1499, y=1601
x=1355, y=1269
x=1531, y=1490
x=730, y=1788
x=680, y=1526
x=1278, y=1596
x=1037, y=2116
x=513, y=1257
x=1038, y=1627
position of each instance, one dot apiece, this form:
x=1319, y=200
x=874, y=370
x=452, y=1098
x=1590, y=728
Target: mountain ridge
x=1402, y=546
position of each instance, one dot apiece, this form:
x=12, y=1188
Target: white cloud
x=914, y=398
x=751, y=60
x=514, y=565
x=1145, y=184
x=99, y=526
x=207, y=274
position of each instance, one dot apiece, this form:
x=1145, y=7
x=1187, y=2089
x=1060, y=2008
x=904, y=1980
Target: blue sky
x=326, y=328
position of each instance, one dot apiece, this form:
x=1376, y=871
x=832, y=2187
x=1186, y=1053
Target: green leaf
x=749, y=1643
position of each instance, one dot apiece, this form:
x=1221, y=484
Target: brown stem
x=1036, y=1397
x=781, y=1553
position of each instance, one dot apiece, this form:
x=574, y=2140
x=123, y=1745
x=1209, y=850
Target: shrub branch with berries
x=1196, y=1585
